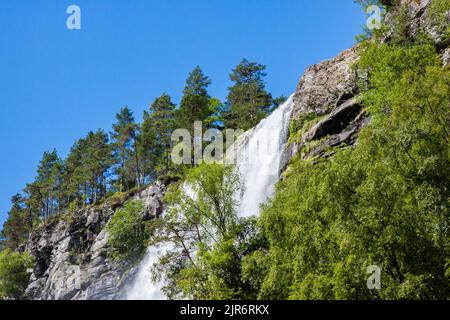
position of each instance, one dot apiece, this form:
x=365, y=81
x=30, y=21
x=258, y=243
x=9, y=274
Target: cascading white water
x=142, y=287
x=259, y=160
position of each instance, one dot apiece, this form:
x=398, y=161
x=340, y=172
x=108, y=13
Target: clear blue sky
x=56, y=84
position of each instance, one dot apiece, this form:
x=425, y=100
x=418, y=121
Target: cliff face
x=328, y=90
x=421, y=18
x=71, y=260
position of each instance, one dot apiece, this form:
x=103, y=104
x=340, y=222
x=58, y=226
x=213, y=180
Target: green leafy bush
x=13, y=274
x=127, y=232
x=208, y=240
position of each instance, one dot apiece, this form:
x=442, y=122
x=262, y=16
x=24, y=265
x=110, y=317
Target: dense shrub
x=13, y=274
x=127, y=232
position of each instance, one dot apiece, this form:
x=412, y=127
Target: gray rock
x=323, y=85
x=419, y=19
x=335, y=122
x=327, y=88
x=339, y=127
x=71, y=253
x=446, y=57
x=152, y=198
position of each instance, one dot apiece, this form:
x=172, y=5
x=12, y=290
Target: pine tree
x=157, y=127
x=87, y=167
x=248, y=100
x=48, y=182
x=98, y=159
x=195, y=103
x=33, y=203
x=76, y=175
x=125, y=136
x=16, y=228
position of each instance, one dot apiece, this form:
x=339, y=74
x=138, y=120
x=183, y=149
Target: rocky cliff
x=328, y=91
x=70, y=252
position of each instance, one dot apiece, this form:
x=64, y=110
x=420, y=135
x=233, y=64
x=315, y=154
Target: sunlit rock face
x=71, y=252
x=329, y=89
x=323, y=85
x=419, y=17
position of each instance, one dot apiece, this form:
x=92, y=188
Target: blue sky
x=56, y=84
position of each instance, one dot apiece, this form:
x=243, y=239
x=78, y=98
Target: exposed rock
x=71, y=253
x=419, y=19
x=340, y=127
x=335, y=122
x=325, y=84
x=446, y=57
x=153, y=201
x=328, y=88
x=347, y=137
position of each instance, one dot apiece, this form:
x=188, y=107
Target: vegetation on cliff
x=207, y=239
x=14, y=274
x=127, y=232
x=132, y=154
x=383, y=201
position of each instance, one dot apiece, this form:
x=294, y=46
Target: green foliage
x=438, y=18
x=19, y=223
x=125, y=143
x=248, y=100
x=399, y=30
x=127, y=232
x=208, y=241
x=48, y=182
x=400, y=26
x=383, y=203
x=13, y=274
x=86, y=169
x=157, y=129
x=195, y=103
x=221, y=265
x=118, y=197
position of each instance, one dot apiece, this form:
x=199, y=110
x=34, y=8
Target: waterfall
x=260, y=159
x=142, y=287
x=259, y=155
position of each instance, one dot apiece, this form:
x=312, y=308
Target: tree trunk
x=138, y=170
